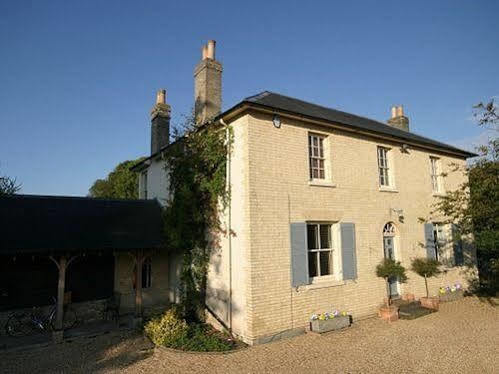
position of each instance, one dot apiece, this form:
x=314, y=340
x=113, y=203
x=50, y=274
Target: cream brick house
x=318, y=198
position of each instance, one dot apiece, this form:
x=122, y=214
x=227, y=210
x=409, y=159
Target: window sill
x=388, y=189
x=323, y=284
x=321, y=184
x=439, y=194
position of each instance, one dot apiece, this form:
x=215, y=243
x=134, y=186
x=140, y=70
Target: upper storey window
x=383, y=167
x=436, y=182
x=316, y=156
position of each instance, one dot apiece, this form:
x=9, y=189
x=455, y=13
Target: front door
x=390, y=253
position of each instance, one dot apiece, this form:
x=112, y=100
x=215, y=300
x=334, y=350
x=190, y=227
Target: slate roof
x=276, y=101
x=32, y=223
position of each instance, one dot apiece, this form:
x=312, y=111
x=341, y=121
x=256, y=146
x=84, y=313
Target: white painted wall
x=157, y=182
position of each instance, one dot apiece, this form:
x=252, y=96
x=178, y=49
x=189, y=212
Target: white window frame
x=384, y=172
x=317, y=153
x=435, y=175
x=440, y=240
x=334, y=252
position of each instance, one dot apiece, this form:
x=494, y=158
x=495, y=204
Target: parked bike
x=22, y=324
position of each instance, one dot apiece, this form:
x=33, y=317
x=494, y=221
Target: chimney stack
x=160, y=123
x=398, y=119
x=207, y=85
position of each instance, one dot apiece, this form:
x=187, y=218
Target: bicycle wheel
x=18, y=325
x=69, y=319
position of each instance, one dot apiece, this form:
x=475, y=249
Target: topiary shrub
x=389, y=268
x=425, y=267
x=168, y=329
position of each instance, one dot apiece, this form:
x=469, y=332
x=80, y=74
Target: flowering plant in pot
x=427, y=268
x=387, y=269
x=451, y=293
x=324, y=322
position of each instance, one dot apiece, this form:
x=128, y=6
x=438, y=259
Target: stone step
x=413, y=310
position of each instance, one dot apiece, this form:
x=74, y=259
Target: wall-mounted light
x=405, y=148
x=277, y=121
x=399, y=213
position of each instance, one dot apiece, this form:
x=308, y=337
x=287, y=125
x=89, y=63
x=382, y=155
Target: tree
x=389, y=268
x=427, y=268
x=474, y=206
x=121, y=183
x=8, y=186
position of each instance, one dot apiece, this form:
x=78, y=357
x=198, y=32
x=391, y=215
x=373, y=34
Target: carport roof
x=33, y=224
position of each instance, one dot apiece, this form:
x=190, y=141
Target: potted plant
x=427, y=268
x=325, y=322
x=389, y=268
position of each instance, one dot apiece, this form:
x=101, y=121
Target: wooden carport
x=63, y=228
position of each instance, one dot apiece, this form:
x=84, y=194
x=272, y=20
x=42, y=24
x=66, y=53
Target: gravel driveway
x=462, y=338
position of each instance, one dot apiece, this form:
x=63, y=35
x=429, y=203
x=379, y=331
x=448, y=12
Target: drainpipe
x=229, y=223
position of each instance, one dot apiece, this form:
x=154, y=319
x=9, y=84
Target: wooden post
x=139, y=260
x=60, y=292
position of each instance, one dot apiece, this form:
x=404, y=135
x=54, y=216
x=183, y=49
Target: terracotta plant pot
x=408, y=297
x=430, y=302
x=390, y=314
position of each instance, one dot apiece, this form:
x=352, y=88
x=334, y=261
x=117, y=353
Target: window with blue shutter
x=348, y=250
x=299, y=255
x=429, y=238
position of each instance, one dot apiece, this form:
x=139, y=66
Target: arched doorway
x=389, y=234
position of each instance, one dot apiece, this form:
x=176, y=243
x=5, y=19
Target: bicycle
x=23, y=324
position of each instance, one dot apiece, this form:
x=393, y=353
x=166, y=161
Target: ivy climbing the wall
x=196, y=168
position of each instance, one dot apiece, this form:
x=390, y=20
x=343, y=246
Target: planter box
x=451, y=296
x=335, y=323
x=390, y=314
x=430, y=302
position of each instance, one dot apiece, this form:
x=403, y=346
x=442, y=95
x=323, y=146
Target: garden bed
x=169, y=330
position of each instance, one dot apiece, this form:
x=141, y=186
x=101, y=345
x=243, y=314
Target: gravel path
x=462, y=338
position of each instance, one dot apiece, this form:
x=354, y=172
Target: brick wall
x=274, y=178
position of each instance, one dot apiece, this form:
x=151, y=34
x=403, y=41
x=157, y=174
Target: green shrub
x=168, y=329
x=425, y=267
x=389, y=268
x=203, y=338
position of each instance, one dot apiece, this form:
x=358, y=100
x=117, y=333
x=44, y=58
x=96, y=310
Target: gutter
x=346, y=127
x=229, y=222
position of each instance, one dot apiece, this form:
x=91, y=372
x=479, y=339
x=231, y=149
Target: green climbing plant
x=196, y=168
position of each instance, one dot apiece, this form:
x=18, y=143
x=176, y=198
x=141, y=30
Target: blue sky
x=78, y=78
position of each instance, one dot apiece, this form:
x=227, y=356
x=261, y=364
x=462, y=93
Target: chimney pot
x=204, y=52
x=398, y=119
x=161, y=97
x=394, y=111
x=400, y=111
x=211, y=49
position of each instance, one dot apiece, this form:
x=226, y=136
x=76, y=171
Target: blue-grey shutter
x=429, y=241
x=299, y=254
x=458, y=246
x=348, y=255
